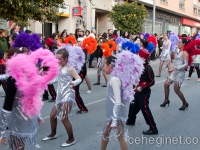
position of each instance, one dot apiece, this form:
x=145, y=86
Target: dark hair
x=109, y=60
x=185, y=41
x=87, y=31
x=104, y=35
x=64, y=31
x=28, y=31
x=115, y=32
x=54, y=35
x=1, y=31
x=15, y=50
x=12, y=31
x=144, y=42
x=13, y=36
x=123, y=35
x=63, y=52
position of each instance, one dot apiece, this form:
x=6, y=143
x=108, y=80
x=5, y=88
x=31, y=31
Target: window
x=182, y=4
x=199, y=10
x=164, y=1
x=194, y=9
x=172, y=28
x=147, y=27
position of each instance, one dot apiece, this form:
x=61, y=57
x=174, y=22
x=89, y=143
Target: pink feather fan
x=29, y=82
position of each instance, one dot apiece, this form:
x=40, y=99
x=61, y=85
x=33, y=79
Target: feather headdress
x=130, y=46
x=31, y=42
x=128, y=67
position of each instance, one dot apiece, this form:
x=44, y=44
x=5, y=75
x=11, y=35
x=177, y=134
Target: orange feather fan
x=71, y=40
x=106, y=50
x=90, y=44
x=112, y=45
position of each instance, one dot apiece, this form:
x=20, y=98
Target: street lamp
x=154, y=11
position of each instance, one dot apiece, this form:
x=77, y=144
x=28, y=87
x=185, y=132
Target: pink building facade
x=179, y=16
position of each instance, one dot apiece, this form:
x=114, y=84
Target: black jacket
x=147, y=77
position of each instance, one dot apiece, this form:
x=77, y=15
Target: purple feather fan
x=76, y=57
x=197, y=36
x=119, y=40
x=146, y=36
x=140, y=34
x=32, y=42
x=174, y=41
x=128, y=68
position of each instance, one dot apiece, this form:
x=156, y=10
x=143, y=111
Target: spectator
x=77, y=33
x=110, y=34
x=7, y=38
x=12, y=39
x=125, y=35
x=54, y=36
x=3, y=41
x=115, y=34
x=63, y=36
x=93, y=33
x=87, y=33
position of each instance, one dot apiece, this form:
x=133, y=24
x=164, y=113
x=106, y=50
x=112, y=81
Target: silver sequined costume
x=178, y=75
x=115, y=114
x=21, y=129
x=65, y=93
x=165, y=54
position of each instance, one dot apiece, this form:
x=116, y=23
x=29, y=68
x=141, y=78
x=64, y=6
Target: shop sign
x=77, y=11
x=168, y=18
x=64, y=12
x=190, y=22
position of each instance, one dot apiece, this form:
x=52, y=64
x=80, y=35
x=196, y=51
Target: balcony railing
x=199, y=10
x=164, y=1
x=182, y=5
x=195, y=9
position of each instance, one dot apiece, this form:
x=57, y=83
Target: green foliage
x=22, y=10
x=128, y=17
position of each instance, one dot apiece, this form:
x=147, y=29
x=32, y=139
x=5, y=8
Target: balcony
x=195, y=9
x=164, y=1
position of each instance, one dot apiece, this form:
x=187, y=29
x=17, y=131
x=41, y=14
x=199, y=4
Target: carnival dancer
x=165, y=56
x=49, y=45
x=82, y=74
x=23, y=103
x=142, y=95
x=195, y=64
x=65, y=97
x=178, y=75
x=122, y=69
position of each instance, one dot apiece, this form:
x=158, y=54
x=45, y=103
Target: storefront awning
x=191, y=23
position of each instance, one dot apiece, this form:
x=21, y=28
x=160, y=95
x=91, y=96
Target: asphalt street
x=178, y=130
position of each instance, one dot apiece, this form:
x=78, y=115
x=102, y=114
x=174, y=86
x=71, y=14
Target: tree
x=128, y=17
x=22, y=10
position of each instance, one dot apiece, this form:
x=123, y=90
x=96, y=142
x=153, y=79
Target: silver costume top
x=165, y=54
x=65, y=91
x=178, y=75
x=21, y=129
x=196, y=61
x=115, y=111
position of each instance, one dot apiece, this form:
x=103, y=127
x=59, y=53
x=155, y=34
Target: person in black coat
x=142, y=95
